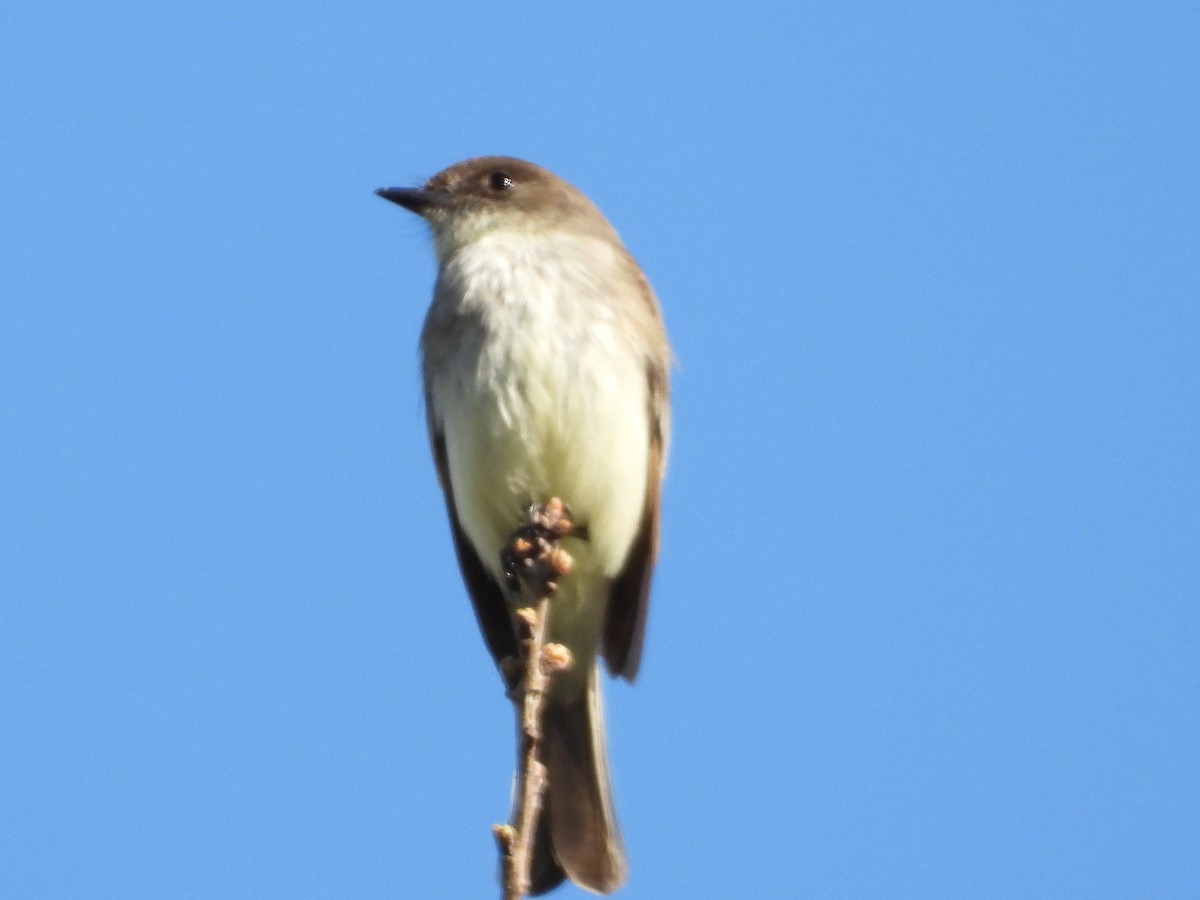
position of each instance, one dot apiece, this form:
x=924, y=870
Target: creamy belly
x=548, y=418
x=538, y=383
x=541, y=391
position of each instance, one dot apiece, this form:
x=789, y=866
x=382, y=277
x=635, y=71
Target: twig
x=534, y=562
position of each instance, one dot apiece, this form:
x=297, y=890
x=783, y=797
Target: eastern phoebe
x=545, y=365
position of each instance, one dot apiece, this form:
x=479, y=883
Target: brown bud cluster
x=556, y=658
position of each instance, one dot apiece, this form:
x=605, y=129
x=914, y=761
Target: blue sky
x=926, y=619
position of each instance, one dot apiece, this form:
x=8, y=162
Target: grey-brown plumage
x=545, y=364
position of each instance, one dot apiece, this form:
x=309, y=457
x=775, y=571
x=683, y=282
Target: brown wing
x=487, y=596
x=629, y=602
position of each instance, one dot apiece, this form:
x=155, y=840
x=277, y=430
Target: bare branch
x=534, y=562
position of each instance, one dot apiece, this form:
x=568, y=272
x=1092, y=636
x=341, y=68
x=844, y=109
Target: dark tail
x=578, y=836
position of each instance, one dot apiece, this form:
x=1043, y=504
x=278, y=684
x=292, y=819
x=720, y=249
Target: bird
x=546, y=374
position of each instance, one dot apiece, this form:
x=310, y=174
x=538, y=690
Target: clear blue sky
x=926, y=623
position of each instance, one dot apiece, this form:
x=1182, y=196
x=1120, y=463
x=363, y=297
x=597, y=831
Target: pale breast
x=541, y=391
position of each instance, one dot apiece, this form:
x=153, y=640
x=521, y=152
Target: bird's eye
x=498, y=181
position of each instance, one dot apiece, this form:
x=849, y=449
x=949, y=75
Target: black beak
x=416, y=200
